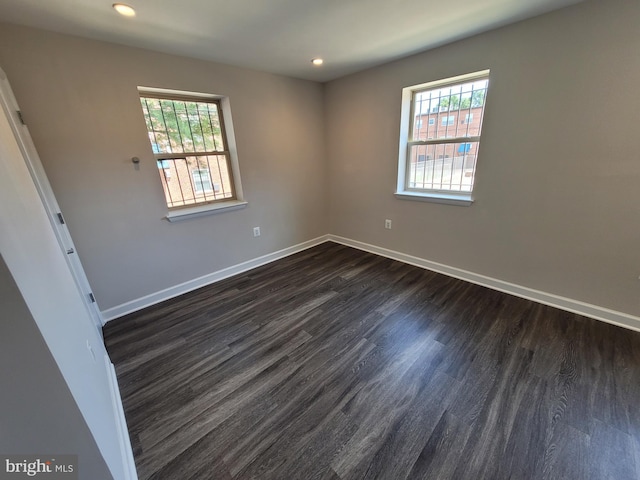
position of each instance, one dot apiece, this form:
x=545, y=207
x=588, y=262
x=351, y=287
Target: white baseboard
x=575, y=306
x=171, y=292
x=126, y=452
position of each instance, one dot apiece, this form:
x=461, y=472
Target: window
x=189, y=141
x=446, y=121
x=202, y=182
x=432, y=122
x=451, y=148
x=464, y=148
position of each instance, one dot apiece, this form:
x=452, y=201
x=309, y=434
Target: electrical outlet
x=387, y=224
x=256, y=231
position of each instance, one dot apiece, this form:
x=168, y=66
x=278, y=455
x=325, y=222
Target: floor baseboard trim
x=171, y=292
x=575, y=306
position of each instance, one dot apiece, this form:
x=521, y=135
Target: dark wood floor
x=338, y=364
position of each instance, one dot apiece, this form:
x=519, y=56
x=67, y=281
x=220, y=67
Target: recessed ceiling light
x=317, y=61
x=125, y=10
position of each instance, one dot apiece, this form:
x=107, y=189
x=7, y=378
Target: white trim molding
x=443, y=198
x=171, y=292
x=202, y=210
x=596, y=312
x=128, y=465
x=620, y=319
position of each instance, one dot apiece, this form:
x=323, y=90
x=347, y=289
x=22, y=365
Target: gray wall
x=81, y=104
x=38, y=414
x=557, y=186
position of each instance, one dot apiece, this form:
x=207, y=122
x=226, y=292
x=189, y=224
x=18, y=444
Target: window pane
x=177, y=126
x=191, y=180
x=448, y=167
x=451, y=112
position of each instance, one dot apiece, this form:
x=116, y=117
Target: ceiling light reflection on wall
x=125, y=10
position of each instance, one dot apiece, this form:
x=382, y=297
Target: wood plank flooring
x=336, y=364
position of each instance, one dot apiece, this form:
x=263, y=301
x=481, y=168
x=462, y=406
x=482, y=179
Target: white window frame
x=198, y=210
x=403, y=192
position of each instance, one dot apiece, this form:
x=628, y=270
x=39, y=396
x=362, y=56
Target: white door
x=32, y=160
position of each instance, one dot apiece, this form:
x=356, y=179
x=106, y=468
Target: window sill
x=460, y=200
x=180, y=214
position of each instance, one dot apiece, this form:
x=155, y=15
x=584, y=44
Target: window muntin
x=189, y=143
x=449, y=139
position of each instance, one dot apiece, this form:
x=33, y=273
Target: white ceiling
x=280, y=36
